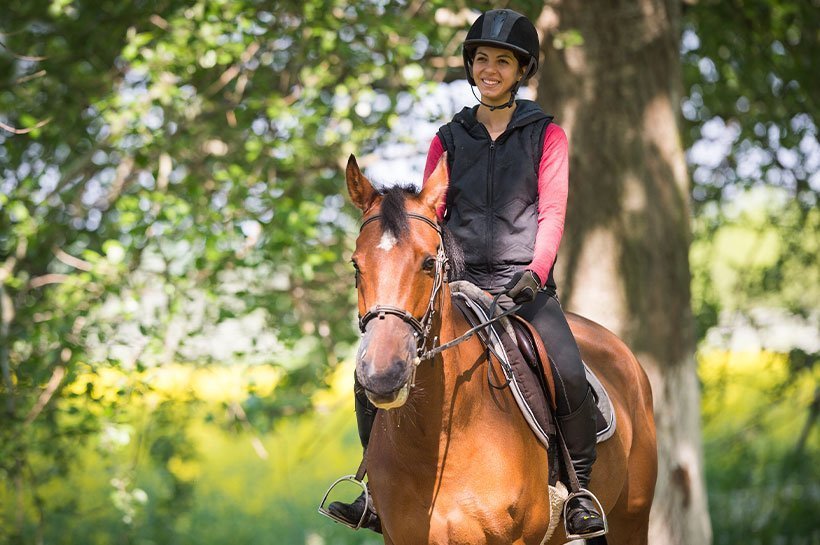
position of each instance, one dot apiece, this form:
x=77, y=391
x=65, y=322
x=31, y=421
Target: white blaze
x=387, y=242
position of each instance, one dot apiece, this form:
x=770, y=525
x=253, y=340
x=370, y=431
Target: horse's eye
x=356, y=269
x=429, y=263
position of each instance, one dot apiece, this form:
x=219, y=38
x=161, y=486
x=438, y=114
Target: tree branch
x=46, y=394
x=71, y=261
x=46, y=279
x=7, y=314
x=238, y=412
x=27, y=130
x=30, y=77
x=6, y=317
x=21, y=57
x=234, y=70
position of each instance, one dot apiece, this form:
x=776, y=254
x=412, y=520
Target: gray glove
x=523, y=286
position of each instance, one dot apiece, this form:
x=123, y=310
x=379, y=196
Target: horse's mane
x=393, y=210
x=395, y=222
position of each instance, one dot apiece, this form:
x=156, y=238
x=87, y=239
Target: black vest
x=492, y=199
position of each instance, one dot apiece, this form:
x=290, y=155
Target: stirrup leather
x=581, y=493
x=367, y=506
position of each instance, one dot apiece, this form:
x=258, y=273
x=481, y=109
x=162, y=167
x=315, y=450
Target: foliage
x=761, y=441
x=759, y=251
x=751, y=104
x=125, y=488
x=160, y=473
x=751, y=129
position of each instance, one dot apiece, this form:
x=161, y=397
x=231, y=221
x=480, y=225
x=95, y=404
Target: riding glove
x=523, y=287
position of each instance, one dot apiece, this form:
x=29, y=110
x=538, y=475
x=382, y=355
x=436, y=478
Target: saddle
x=525, y=363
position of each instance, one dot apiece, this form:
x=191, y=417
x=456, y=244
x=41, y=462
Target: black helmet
x=506, y=29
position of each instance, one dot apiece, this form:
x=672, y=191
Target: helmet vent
x=498, y=24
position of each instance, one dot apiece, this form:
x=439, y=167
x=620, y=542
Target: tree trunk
x=624, y=258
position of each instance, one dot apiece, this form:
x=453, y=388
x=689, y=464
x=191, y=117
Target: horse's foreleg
x=632, y=508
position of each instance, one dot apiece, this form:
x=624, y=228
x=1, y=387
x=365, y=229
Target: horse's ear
x=361, y=190
x=434, y=189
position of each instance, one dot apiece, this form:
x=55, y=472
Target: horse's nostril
x=382, y=378
x=397, y=370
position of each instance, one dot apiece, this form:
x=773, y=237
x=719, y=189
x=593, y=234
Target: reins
x=470, y=332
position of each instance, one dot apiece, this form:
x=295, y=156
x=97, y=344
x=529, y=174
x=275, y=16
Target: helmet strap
x=492, y=107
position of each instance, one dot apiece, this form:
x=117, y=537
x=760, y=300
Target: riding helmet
x=506, y=29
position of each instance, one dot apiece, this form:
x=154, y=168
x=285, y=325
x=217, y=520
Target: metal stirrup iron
x=357, y=479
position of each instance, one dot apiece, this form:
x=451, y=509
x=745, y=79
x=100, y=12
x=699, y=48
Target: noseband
x=421, y=327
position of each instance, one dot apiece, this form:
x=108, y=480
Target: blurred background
x=177, y=312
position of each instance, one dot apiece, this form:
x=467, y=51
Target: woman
x=506, y=204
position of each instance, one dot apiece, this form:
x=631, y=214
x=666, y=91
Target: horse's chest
x=470, y=503
x=482, y=488
x=465, y=518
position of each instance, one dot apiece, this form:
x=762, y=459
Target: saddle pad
x=606, y=412
x=526, y=386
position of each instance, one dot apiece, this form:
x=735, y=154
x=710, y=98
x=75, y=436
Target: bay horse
x=451, y=460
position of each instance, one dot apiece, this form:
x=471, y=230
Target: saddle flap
x=535, y=354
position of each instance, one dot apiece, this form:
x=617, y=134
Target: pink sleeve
x=553, y=183
x=433, y=155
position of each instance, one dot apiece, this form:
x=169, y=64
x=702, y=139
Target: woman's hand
x=523, y=287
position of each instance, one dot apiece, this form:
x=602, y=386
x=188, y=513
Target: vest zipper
x=490, y=194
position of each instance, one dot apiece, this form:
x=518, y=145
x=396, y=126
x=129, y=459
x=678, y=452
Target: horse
x=451, y=460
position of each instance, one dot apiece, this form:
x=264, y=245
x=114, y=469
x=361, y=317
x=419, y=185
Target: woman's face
x=495, y=71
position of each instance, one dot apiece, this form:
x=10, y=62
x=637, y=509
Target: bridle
x=423, y=326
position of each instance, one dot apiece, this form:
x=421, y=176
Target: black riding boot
x=352, y=512
x=578, y=429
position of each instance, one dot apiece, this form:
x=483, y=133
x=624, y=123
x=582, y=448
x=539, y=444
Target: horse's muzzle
x=393, y=400
x=385, y=363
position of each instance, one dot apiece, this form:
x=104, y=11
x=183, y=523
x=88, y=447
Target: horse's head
x=400, y=263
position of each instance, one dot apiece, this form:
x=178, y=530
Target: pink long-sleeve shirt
x=553, y=183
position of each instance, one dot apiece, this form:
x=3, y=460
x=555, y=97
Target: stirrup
x=584, y=492
x=367, y=505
